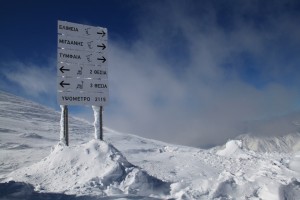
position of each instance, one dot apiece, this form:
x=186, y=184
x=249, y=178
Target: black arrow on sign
x=62, y=84
x=102, y=45
x=62, y=69
x=103, y=59
x=101, y=33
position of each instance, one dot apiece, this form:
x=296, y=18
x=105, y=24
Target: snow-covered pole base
x=64, y=133
x=98, y=122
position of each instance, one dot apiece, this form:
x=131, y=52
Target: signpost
x=81, y=71
x=82, y=57
x=81, y=43
x=80, y=30
x=81, y=68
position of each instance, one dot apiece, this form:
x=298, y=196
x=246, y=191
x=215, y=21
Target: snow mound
x=233, y=149
x=95, y=168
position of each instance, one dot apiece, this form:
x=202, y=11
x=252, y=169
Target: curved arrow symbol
x=103, y=59
x=102, y=46
x=62, y=69
x=62, y=84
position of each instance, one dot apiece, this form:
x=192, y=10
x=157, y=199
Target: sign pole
x=66, y=125
x=101, y=123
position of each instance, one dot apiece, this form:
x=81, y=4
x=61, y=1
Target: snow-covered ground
x=34, y=165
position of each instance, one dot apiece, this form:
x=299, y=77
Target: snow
x=96, y=110
x=233, y=149
x=95, y=167
x=34, y=164
x=283, y=144
x=294, y=164
x=62, y=128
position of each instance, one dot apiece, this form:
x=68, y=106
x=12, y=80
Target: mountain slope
x=234, y=172
x=29, y=130
x=281, y=144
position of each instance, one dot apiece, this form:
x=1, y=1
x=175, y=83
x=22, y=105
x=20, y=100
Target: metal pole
x=101, y=123
x=66, y=125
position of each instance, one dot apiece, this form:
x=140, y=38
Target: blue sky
x=187, y=72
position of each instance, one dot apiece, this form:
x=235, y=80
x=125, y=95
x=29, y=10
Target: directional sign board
x=82, y=71
x=79, y=84
x=83, y=57
x=85, y=44
x=81, y=64
x=80, y=30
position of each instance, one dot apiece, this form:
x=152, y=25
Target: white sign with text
x=81, y=64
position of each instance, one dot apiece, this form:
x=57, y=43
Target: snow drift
x=95, y=168
x=233, y=149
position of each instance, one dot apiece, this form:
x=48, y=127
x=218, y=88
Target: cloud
x=199, y=95
x=195, y=71
x=31, y=80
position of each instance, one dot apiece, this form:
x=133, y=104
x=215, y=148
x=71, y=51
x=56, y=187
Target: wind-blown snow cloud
x=196, y=70
x=192, y=81
x=38, y=82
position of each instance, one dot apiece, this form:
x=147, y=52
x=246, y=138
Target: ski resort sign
x=81, y=64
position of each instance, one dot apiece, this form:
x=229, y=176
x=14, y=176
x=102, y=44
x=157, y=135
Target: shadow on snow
x=24, y=191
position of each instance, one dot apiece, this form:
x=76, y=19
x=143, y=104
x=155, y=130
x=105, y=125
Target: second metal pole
x=66, y=125
x=101, y=123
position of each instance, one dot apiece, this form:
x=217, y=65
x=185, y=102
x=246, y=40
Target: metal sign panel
x=80, y=30
x=82, y=71
x=79, y=84
x=83, y=57
x=76, y=43
x=82, y=98
x=81, y=64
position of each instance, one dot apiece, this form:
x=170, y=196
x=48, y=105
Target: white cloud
x=206, y=102
x=31, y=80
x=172, y=83
x=151, y=101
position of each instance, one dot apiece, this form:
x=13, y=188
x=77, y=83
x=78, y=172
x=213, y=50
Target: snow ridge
x=281, y=144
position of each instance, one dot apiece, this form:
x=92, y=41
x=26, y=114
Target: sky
x=185, y=72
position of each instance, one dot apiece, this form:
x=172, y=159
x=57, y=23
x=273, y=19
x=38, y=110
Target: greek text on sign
x=75, y=43
x=82, y=71
x=78, y=84
x=83, y=57
x=80, y=30
x=81, y=64
x=82, y=98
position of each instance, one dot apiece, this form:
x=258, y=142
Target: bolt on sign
x=82, y=64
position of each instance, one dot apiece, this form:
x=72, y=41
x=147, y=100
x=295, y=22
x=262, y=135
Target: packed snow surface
x=35, y=165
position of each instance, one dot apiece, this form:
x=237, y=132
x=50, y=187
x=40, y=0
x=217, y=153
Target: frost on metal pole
x=98, y=123
x=64, y=130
